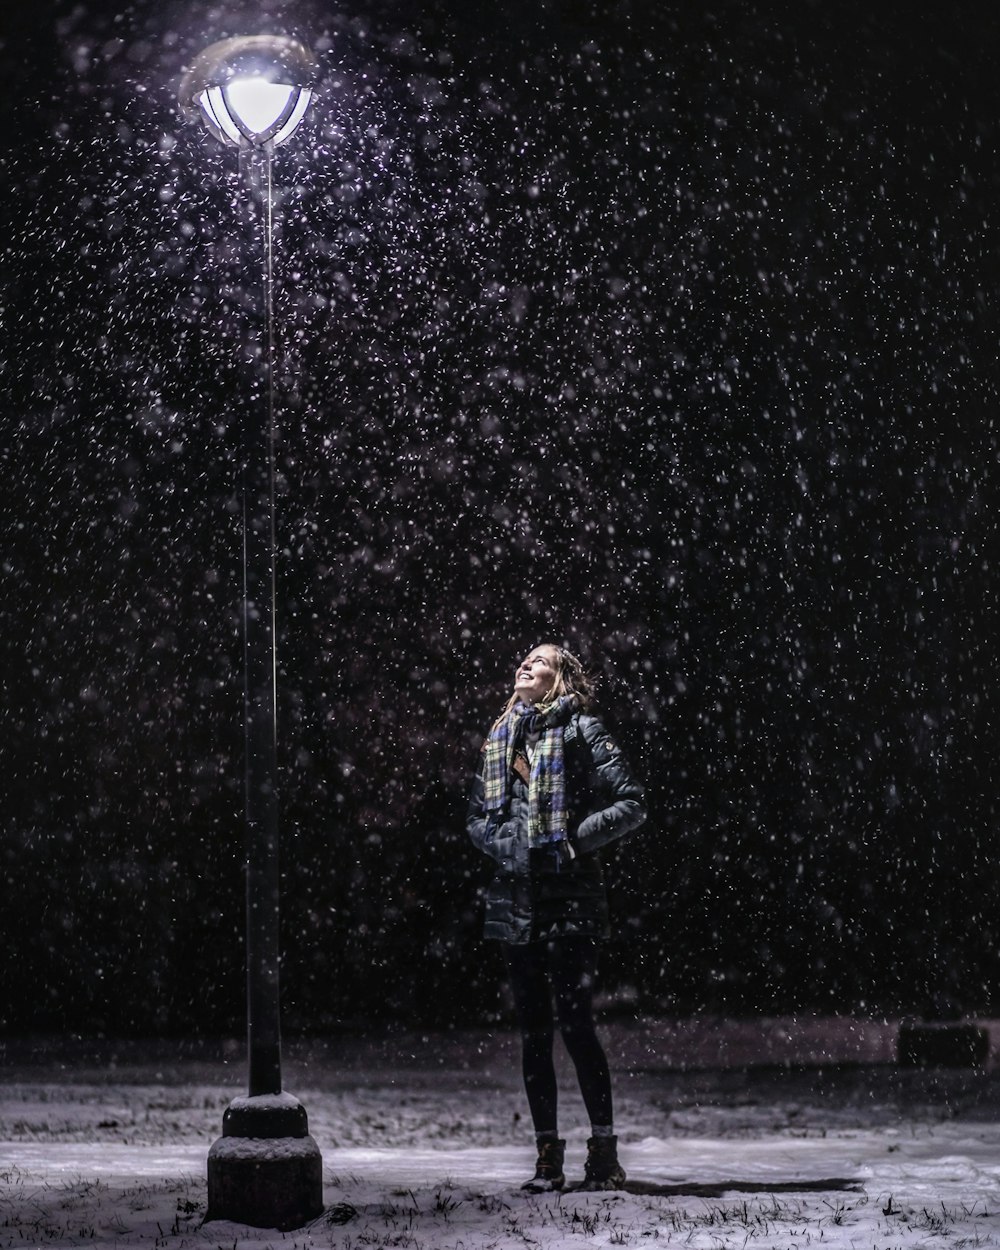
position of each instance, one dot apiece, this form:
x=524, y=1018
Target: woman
x=551, y=789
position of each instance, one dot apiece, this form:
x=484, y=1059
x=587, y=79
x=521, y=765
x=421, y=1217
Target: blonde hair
x=571, y=678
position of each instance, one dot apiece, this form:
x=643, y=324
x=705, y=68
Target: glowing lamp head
x=253, y=89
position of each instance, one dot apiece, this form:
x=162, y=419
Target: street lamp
x=265, y=1170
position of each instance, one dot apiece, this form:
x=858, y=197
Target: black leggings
x=564, y=969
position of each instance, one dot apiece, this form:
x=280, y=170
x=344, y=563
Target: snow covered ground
x=767, y=1133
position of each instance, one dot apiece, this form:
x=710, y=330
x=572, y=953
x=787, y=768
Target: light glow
x=251, y=108
x=257, y=103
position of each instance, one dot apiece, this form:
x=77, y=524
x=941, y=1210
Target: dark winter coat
x=534, y=895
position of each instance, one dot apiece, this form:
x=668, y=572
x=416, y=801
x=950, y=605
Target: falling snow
x=670, y=334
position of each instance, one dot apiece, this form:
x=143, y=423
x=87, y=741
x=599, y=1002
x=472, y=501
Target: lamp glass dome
x=250, y=89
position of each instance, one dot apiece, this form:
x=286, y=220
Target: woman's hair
x=571, y=678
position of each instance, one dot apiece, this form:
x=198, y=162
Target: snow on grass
x=427, y=1149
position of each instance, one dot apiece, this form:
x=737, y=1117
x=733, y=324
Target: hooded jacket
x=536, y=894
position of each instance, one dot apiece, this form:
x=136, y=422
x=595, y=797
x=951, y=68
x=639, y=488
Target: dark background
x=665, y=330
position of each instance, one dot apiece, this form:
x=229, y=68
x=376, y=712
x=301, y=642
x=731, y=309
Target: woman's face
x=536, y=675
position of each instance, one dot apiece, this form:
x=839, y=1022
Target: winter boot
x=549, y=1167
x=602, y=1169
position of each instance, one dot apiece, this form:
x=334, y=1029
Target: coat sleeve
x=477, y=823
x=490, y=835
x=621, y=799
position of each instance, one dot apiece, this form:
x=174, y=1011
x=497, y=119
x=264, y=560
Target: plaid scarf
x=547, y=782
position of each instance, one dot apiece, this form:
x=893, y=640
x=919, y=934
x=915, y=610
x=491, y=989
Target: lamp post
x=265, y=1170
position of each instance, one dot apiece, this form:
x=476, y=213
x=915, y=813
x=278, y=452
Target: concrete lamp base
x=265, y=1170
x=948, y=1044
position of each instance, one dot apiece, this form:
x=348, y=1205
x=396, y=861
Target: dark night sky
x=666, y=330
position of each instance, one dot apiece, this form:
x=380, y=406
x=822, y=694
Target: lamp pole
x=260, y=665
x=265, y=1170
